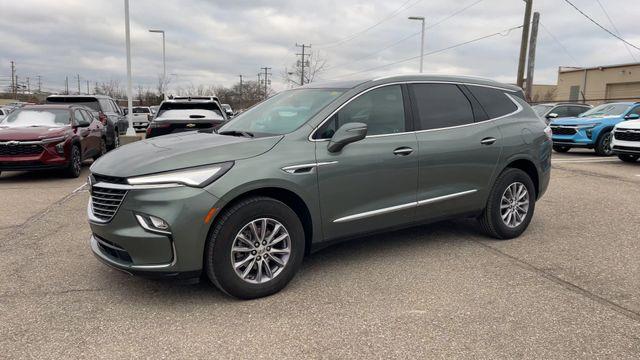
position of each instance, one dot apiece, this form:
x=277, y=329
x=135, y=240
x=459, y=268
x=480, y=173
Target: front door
x=370, y=184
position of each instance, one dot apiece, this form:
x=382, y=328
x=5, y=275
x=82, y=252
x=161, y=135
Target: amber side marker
x=209, y=215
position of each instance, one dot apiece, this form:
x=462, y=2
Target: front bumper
x=621, y=147
x=44, y=160
x=124, y=244
x=580, y=138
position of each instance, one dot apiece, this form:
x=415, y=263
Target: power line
x=615, y=28
x=402, y=7
x=439, y=50
x=559, y=43
x=398, y=42
x=601, y=27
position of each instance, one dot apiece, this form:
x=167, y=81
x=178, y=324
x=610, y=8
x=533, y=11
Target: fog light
x=589, y=133
x=153, y=224
x=60, y=148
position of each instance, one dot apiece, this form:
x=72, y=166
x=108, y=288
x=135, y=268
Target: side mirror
x=632, y=117
x=346, y=134
x=552, y=116
x=82, y=124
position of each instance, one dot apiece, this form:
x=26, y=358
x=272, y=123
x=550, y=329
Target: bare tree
x=313, y=66
x=163, y=84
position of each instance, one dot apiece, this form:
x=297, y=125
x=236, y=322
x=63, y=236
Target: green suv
x=243, y=204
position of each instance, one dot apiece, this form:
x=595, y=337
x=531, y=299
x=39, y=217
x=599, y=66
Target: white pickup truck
x=142, y=116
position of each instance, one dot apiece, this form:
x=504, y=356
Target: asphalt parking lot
x=568, y=288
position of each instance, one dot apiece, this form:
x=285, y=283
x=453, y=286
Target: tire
x=103, y=149
x=234, y=224
x=603, y=145
x=561, y=148
x=491, y=220
x=75, y=163
x=628, y=158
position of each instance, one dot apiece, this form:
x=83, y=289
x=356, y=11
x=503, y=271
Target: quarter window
x=381, y=109
x=494, y=101
x=441, y=105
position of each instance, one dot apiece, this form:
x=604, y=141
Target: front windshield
x=38, y=117
x=606, y=110
x=283, y=113
x=541, y=109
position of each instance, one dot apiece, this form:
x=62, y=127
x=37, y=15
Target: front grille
x=563, y=130
x=627, y=136
x=112, y=249
x=19, y=149
x=109, y=179
x=106, y=201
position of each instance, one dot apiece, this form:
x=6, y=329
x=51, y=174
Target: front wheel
x=603, y=145
x=628, y=158
x=510, y=205
x=255, y=248
x=75, y=162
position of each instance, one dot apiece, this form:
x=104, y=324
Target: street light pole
x=421, y=18
x=164, y=59
x=130, y=130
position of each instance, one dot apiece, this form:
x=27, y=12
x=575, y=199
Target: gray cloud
x=211, y=42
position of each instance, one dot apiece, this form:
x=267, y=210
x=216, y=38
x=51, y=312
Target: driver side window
x=381, y=109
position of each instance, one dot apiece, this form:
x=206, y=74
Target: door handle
x=403, y=151
x=488, y=141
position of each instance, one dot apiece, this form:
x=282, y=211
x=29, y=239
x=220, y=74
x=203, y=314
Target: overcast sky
x=211, y=42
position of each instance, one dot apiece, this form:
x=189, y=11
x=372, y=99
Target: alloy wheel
x=76, y=161
x=260, y=251
x=606, y=144
x=514, y=204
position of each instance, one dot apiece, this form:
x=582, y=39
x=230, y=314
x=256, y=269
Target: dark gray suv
x=243, y=204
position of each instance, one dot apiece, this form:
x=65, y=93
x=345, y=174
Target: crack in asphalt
x=631, y=314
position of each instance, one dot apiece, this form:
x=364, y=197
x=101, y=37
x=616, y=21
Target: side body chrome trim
x=402, y=207
x=519, y=108
x=292, y=168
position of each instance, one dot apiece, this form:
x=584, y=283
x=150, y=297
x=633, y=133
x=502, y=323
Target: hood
x=581, y=120
x=178, y=151
x=631, y=124
x=31, y=133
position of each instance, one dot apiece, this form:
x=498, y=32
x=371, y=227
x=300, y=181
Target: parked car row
x=610, y=128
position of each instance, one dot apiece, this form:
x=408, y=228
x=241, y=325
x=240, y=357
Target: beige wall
x=612, y=83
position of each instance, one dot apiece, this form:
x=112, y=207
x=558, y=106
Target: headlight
x=198, y=176
x=587, y=126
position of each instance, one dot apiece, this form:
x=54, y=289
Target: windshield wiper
x=236, y=133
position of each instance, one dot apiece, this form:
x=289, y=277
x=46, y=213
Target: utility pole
x=88, y=87
x=14, y=85
x=266, y=80
x=240, y=84
x=28, y=85
x=66, y=85
x=523, y=42
x=78, y=75
x=532, y=55
x=127, y=35
x=39, y=83
x=302, y=61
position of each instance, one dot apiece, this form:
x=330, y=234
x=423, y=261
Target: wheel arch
x=528, y=166
x=281, y=193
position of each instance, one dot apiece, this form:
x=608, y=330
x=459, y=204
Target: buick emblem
x=13, y=143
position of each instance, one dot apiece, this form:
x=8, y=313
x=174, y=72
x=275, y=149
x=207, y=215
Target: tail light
x=548, y=132
x=103, y=118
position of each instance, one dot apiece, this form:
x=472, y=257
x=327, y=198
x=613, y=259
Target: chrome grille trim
x=104, y=203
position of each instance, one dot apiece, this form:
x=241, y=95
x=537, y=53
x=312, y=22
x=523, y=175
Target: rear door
x=84, y=133
x=459, y=148
x=371, y=184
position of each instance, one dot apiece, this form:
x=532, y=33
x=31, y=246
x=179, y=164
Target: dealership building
x=596, y=85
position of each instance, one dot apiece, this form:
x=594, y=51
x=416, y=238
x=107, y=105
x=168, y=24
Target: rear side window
x=440, y=106
x=494, y=101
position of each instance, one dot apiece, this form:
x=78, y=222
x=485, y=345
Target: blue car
x=592, y=129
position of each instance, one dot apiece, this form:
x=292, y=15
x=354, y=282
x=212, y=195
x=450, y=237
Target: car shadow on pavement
x=372, y=250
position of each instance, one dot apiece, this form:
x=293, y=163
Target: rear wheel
x=255, y=248
x=561, y=148
x=603, y=145
x=510, y=205
x=629, y=158
x=75, y=162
